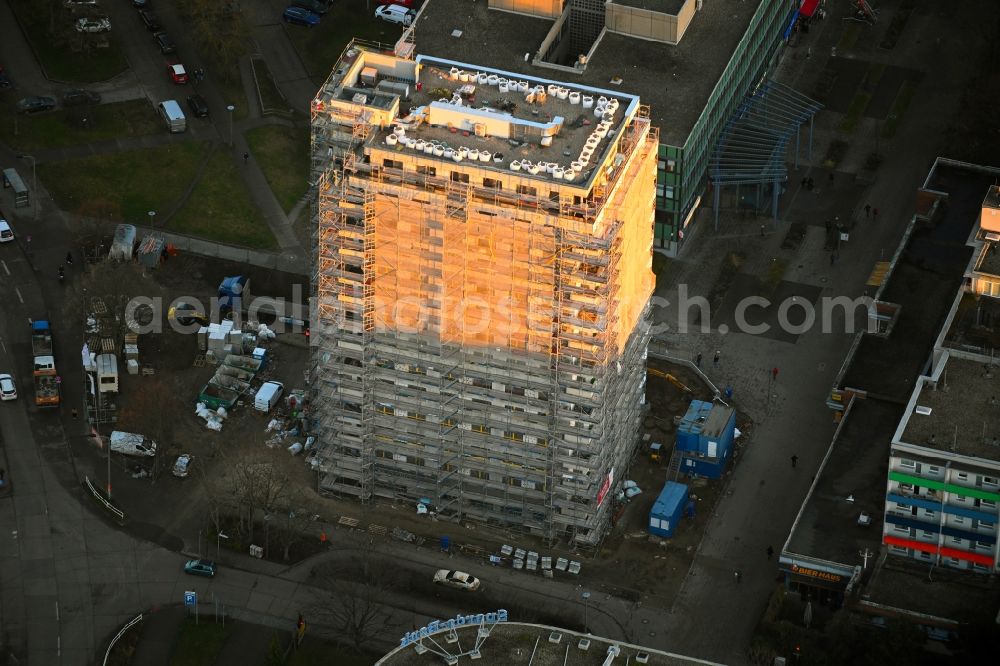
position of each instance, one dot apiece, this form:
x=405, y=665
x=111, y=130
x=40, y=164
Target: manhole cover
x=645, y=621
x=823, y=280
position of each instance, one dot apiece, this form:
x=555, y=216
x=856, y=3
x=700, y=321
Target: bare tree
x=152, y=409
x=222, y=32
x=352, y=597
x=256, y=485
x=294, y=521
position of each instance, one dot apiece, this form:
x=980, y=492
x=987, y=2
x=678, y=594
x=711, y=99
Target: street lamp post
x=34, y=183
x=218, y=536
x=230, y=109
x=152, y=218
x=586, y=607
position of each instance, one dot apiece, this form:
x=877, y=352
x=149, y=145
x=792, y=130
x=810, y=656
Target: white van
x=172, y=115
x=268, y=395
x=396, y=14
x=131, y=444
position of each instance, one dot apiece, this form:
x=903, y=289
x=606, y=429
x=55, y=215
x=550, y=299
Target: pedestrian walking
x=697, y=360
x=774, y=374
x=770, y=553
x=805, y=181
x=868, y=209
x=762, y=231
x=795, y=460
x=875, y=214
x=69, y=258
x=74, y=414
x=246, y=157
x=810, y=184
x=738, y=576
x=715, y=360
x=832, y=258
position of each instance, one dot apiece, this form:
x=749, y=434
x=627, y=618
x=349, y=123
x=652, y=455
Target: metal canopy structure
x=751, y=148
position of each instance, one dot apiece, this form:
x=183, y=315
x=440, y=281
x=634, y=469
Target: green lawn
x=320, y=47
x=198, y=644
x=65, y=54
x=220, y=208
x=271, y=99
x=126, y=185
x=855, y=112
x=67, y=127
x=282, y=153
x=898, y=110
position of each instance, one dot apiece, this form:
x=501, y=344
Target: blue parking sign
x=190, y=598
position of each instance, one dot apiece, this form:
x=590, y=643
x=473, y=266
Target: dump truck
x=44, y=374
x=41, y=338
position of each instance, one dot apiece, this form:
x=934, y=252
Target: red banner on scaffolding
x=808, y=8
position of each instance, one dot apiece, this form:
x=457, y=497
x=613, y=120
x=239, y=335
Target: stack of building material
x=150, y=251
x=217, y=338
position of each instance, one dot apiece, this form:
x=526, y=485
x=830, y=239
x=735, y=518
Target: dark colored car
x=199, y=107
x=4, y=79
x=164, y=42
x=36, y=104
x=149, y=19
x=140, y=3
x=80, y=97
x=300, y=16
x=200, y=568
x=314, y=6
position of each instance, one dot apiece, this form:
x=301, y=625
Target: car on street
x=200, y=568
x=315, y=6
x=8, y=391
x=300, y=16
x=140, y=3
x=4, y=79
x=457, y=579
x=35, y=104
x=80, y=97
x=182, y=466
x=6, y=233
x=198, y=106
x=149, y=20
x=164, y=42
x=102, y=24
x=177, y=73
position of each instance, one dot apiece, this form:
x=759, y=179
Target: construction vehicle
x=43, y=373
x=670, y=378
x=187, y=314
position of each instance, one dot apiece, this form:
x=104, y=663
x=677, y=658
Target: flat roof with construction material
x=851, y=480
x=953, y=413
x=675, y=80
x=515, y=643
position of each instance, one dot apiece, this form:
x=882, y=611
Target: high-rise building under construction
x=483, y=284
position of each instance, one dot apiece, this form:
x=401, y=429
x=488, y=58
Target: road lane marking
x=19, y=297
x=5, y=269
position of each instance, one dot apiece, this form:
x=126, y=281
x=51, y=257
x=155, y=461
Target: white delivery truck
x=131, y=444
x=172, y=115
x=268, y=396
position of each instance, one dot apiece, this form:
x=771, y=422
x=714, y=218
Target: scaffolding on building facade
x=425, y=390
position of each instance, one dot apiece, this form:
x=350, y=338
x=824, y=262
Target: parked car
x=198, y=106
x=165, y=43
x=200, y=568
x=80, y=97
x=300, y=16
x=314, y=6
x=182, y=466
x=6, y=233
x=457, y=579
x=4, y=79
x=177, y=73
x=93, y=25
x=36, y=104
x=149, y=19
x=140, y=3
x=8, y=391
x=395, y=14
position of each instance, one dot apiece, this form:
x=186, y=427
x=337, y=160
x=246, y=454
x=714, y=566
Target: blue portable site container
x=705, y=438
x=667, y=509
